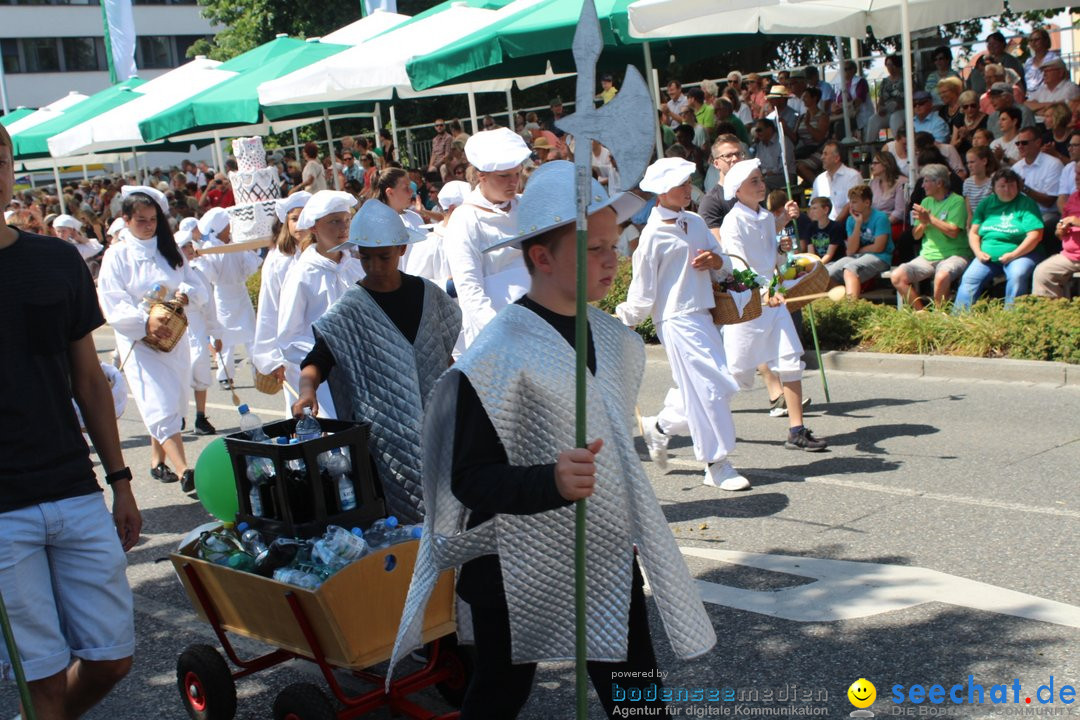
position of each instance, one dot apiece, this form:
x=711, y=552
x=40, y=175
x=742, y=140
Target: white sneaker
x=656, y=441
x=722, y=475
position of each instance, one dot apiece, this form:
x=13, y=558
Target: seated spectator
x=810, y=133
x=926, y=120
x=828, y=93
x=982, y=137
x=767, y=150
x=924, y=140
x=869, y=244
x=820, y=235
x=898, y=149
x=724, y=113
x=671, y=112
x=778, y=103
x=1005, y=233
x=704, y=115
x=970, y=119
x=889, y=188
x=1057, y=119
x=942, y=59
x=940, y=220
x=836, y=180
x=1040, y=172
x=1056, y=86
x=796, y=84
x=949, y=90
x=1004, y=146
x=997, y=52
x=857, y=93
x=688, y=137
x=710, y=90
x=738, y=107
x=890, y=100
x=1067, y=186
x=981, y=166
x=1001, y=97
x=1039, y=46
x=455, y=157
x=1054, y=274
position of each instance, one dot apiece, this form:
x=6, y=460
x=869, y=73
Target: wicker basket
x=171, y=313
x=724, y=311
x=813, y=283
x=267, y=384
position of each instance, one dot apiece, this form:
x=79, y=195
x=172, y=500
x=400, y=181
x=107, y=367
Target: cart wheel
x=206, y=684
x=303, y=701
x=459, y=661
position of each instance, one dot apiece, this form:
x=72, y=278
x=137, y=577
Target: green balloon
x=215, y=481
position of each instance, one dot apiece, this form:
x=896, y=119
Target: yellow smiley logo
x=862, y=693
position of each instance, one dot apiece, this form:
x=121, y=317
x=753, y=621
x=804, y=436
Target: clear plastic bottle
x=261, y=474
x=338, y=467
x=338, y=547
x=295, y=576
x=298, y=488
x=376, y=535
x=252, y=425
x=283, y=552
x=307, y=427
x=404, y=533
x=222, y=547
x=154, y=295
x=251, y=539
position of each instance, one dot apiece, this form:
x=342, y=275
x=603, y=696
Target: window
x=42, y=54
x=84, y=54
x=10, y=50
x=156, y=52
x=183, y=42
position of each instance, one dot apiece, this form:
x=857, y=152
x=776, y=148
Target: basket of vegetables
x=805, y=275
x=738, y=298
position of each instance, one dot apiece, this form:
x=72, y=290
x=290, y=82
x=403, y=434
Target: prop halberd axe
x=626, y=126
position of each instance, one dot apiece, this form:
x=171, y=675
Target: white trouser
x=695, y=352
x=227, y=370
x=769, y=339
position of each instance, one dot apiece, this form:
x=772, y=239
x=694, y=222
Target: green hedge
x=617, y=294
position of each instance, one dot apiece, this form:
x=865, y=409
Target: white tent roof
x=49, y=112
x=848, y=18
x=119, y=128
x=375, y=69
x=365, y=28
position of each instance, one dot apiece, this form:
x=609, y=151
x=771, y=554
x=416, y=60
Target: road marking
x=901, y=491
x=845, y=590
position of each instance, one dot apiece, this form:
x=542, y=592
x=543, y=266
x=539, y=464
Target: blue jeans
x=1017, y=279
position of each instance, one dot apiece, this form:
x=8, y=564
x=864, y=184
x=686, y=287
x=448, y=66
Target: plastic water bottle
x=283, y=552
x=298, y=488
x=404, y=533
x=376, y=535
x=261, y=475
x=338, y=467
x=154, y=295
x=339, y=547
x=223, y=548
x=251, y=539
x=307, y=427
x=251, y=425
x=295, y=576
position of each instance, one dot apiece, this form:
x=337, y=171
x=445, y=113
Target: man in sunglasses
x=440, y=145
x=1041, y=174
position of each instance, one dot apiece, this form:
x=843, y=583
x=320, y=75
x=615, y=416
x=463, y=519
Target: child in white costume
x=673, y=283
x=321, y=276
x=202, y=325
x=750, y=232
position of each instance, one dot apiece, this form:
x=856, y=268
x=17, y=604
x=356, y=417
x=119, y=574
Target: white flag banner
x=119, y=38
x=371, y=6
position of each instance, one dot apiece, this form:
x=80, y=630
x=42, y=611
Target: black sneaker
x=187, y=481
x=805, y=440
x=203, y=426
x=163, y=474
x=225, y=384
x=778, y=407
x=183, y=424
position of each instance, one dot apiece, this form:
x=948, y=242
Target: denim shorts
x=63, y=578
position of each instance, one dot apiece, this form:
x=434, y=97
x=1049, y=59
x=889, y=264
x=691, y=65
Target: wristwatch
x=123, y=473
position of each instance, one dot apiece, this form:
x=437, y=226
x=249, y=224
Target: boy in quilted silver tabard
x=381, y=347
x=499, y=489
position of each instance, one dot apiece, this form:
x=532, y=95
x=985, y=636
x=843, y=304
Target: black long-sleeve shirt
x=484, y=480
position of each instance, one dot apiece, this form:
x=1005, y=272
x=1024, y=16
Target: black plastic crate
x=304, y=510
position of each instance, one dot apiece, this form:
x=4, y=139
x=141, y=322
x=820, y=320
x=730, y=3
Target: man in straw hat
x=500, y=488
x=673, y=271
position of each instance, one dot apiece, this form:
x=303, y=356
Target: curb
x=1057, y=374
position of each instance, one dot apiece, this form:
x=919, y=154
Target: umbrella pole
x=59, y=190
x=296, y=143
x=843, y=87
x=909, y=107
x=393, y=130
x=509, y=109
x=330, y=147
x=654, y=85
x=472, y=112
x=16, y=663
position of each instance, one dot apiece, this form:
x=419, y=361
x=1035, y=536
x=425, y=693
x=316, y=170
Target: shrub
x=619, y=287
x=840, y=324
x=253, y=284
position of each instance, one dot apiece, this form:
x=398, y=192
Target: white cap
x=213, y=221
x=65, y=220
x=496, y=150
x=117, y=225
x=665, y=174
x=324, y=203
x=288, y=204
x=154, y=194
x=453, y=194
x=182, y=238
x=737, y=175
x=379, y=225
x=549, y=202
x=8, y=214
x=189, y=224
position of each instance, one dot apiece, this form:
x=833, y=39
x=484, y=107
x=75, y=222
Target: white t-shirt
x=1067, y=185
x=836, y=188
x=1008, y=148
x=1043, y=175
x=677, y=108
x=1065, y=92
x=317, y=172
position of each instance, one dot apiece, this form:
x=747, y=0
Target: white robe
x=770, y=338
x=88, y=249
x=427, y=259
x=266, y=354
x=311, y=286
x=202, y=325
x=159, y=381
x=228, y=272
x=485, y=282
x=678, y=297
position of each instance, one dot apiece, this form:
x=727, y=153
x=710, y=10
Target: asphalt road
x=936, y=540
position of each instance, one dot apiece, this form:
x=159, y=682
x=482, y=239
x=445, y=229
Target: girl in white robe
x=228, y=273
x=148, y=256
x=749, y=231
x=672, y=282
x=266, y=354
x=321, y=276
x=202, y=326
x=393, y=190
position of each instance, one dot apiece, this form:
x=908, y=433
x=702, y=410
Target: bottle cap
x=417, y=531
x=391, y=521
x=283, y=440
x=244, y=409
x=241, y=527
x=357, y=532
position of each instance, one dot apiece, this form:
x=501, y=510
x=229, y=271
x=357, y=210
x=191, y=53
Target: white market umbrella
x=365, y=28
x=49, y=112
x=118, y=129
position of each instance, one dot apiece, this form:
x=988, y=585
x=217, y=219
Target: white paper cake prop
x=255, y=187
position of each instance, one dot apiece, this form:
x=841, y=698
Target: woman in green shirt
x=1005, y=232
